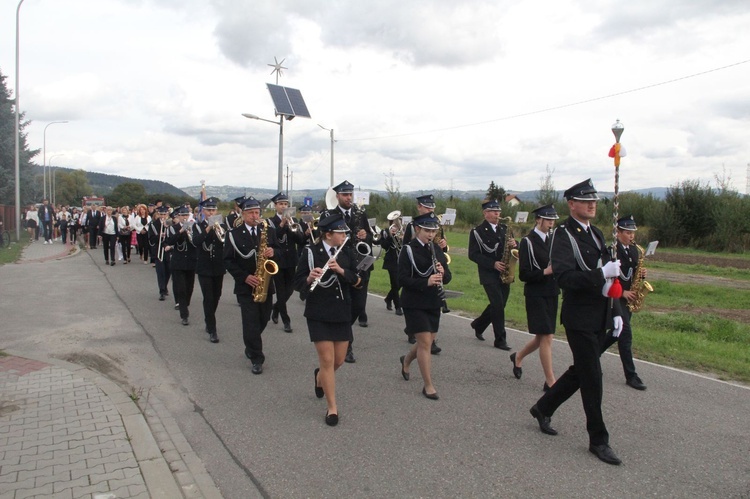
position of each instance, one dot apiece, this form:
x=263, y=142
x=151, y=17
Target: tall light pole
x=53, y=180
x=280, y=183
x=44, y=156
x=332, y=141
x=18, y=134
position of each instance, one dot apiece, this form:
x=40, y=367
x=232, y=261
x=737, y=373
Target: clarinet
x=441, y=291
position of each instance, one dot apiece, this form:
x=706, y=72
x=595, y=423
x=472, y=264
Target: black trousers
x=143, y=247
x=359, y=302
x=163, y=273
x=585, y=374
x=64, y=231
x=494, y=313
x=211, y=286
x=108, y=244
x=93, y=233
x=283, y=281
x=183, y=282
x=624, y=342
x=393, y=295
x=255, y=317
x=125, y=243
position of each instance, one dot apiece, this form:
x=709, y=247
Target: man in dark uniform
x=582, y=268
x=426, y=204
x=210, y=264
x=240, y=259
x=487, y=246
x=628, y=256
x=391, y=241
x=307, y=228
x=356, y=218
x=157, y=234
x=184, y=259
x=286, y=258
x=234, y=218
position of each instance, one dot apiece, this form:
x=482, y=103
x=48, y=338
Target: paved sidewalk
x=69, y=432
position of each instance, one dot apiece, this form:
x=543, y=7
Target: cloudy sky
x=444, y=94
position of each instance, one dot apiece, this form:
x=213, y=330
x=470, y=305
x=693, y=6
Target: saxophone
x=264, y=268
x=510, y=255
x=639, y=286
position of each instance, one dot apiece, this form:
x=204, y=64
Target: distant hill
x=228, y=192
x=103, y=183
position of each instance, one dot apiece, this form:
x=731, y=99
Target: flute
x=325, y=267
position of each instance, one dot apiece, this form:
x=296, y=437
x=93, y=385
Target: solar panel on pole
x=288, y=101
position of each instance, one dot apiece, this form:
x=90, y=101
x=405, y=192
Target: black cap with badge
x=582, y=191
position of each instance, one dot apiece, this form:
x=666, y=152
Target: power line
x=547, y=109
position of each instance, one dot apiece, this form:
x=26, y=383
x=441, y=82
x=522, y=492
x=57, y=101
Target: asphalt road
x=686, y=436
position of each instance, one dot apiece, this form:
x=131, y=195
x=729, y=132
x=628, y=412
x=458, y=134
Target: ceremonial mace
x=616, y=152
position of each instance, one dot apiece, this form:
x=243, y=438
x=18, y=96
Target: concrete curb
x=157, y=473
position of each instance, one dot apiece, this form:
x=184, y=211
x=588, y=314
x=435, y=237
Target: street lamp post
x=280, y=183
x=332, y=141
x=53, y=180
x=18, y=133
x=44, y=157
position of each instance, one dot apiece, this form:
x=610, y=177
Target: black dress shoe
x=176, y=306
x=213, y=337
x=388, y=305
x=362, y=323
x=477, y=333
x=275, y=317
x=185, y=321
x=412, y=339
x=431, y=396
x=257, y=368
x=112, y=264
x=517, y=371
x=502, y=345
x=546, y=387
x=161, y=298
x=332, y=419
x=399, y=311
x=318, y=389
x=350, y=357
x=635, y=382
x=544, y=421
x=403, y=373
x=434, y=349
x=605, y=453
x=287, y=327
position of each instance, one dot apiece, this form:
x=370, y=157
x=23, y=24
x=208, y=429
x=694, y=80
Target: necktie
x=333, y=251
x=347, y=217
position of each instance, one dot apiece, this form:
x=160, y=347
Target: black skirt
x=420, y=320
x=329, y=331
x=541, y=314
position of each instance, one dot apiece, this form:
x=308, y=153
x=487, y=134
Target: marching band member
x=582, y=268
x=392, y=242
x=234, y=216
x=240, y=260
x=355, y=218
x=422, y=270
x=157, y=233
x=541, y=292
x=184, y=259
x=425, y=204
x=486, y=249
x=286, y=258
x=332, y=267
x=210, y=264
x=628, y=255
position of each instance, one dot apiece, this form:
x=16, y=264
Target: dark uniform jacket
x=332, y=303
x=210, y=250
x=152, y=231
x=232, y=219
x=288, y=241
x=240, y=256
x=358, y=221
x=184, y=253
x=628, y=263
x=92, y=219
x=482, y=238
x=583, y=305
x=388, y=243
x=415, y=293
x=533, y=258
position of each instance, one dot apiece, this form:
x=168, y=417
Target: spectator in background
x=140, y=224
x=124, y=233
x=108, y=234
x=32, y=223
x=47, y=219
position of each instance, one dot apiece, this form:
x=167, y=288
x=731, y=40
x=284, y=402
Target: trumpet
x=293, y=226
x=219, y=230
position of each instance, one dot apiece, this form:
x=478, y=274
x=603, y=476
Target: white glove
x=618, y=326
x=611, y=269
x=605, y=288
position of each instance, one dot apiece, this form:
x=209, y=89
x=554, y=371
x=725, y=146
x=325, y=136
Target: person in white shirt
x=108, y=235
x=124, y=233
x=140, y=222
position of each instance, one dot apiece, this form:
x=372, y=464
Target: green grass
x=691, y=251
x=13, y=253
x=709, y=270
x=697, y=341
